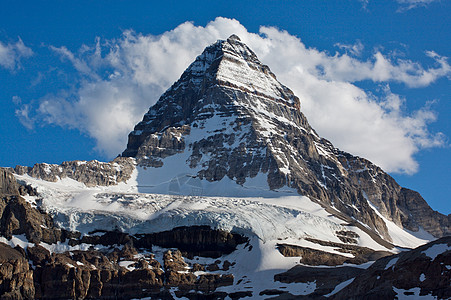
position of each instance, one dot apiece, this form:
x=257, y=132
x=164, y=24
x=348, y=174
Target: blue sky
x=373, y=77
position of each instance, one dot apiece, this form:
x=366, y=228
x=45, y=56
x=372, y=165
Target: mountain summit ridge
x=230, y=118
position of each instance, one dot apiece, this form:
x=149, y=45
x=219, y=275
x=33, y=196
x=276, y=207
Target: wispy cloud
x=354, y=49
x=23, y=112
x=364, y=3
x=409, y=4
x=120, y=79
x=404, y=5
x=12, y=53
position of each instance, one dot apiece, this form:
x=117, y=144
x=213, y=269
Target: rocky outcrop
x=178, y=274
x=95, y=274
x=191, y=241
x=326, y=279
x=423, y=271
x=16, y=276
x=17, y=217
x=91, y=173
x=114, y=271
x=313, y=257
x=8, y=184
x=161, y=145
x=417, y=213
x=426, y=268
x=120, y=273
x=194, y=240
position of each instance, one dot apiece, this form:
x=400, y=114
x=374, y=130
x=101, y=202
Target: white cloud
x=409, y=4
x=355, y=49
x=404, y=4
x=12, y=53
x=364, y=3
x=140, y=67
x=23, y=113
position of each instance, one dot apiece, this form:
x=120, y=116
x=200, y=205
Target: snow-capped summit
x=225, y=111
x=227, y=119
x=226, y=66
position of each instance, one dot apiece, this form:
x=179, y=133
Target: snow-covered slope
x=271, y=217
x=267, y=217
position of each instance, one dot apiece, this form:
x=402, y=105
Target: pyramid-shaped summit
x=228, y=120
x=229, y=113
x=226, y=66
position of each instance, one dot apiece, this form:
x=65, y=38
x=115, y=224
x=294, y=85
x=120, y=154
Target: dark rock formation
x=94, y=274
x=406, y=271
x=17, y=217
x=326, y=279
x=16, y=276
x=416, y=212
x=194, y=241
x=426, y=268
x=315, y=257
x=116, y=273
x=8, y=184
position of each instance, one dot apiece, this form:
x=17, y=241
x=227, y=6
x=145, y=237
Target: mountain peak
x=228, y=126
x=234, y=37
x=232, y=63
x=225, y=76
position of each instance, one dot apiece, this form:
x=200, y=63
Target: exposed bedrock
x=423, y=271
x=91, y=173
x=16, y=275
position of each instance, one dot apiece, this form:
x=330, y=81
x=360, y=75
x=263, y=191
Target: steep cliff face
x=119, y=270
x=18, y=217
x=8, y=184
x=229, y=117
x=16, y=275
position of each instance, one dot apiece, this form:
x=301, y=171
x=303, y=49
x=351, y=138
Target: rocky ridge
x=90, y=173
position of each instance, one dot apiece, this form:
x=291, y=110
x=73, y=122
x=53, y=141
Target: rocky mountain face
x=235, y=120
x=16, y=276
